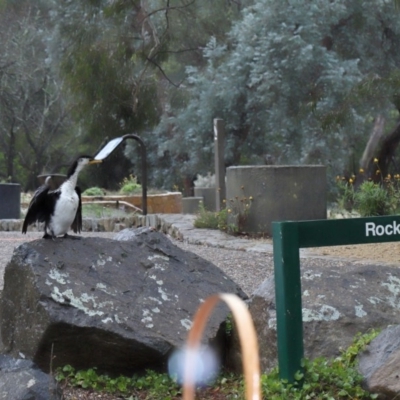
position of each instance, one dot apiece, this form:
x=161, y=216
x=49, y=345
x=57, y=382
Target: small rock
x=22, y=380
x=380, y=364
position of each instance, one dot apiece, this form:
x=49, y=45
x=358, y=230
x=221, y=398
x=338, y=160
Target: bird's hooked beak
x=95, y=161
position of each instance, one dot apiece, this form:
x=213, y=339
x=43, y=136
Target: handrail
x=248, y=343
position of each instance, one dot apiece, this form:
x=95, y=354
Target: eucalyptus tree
x=33, y=117
x=296, y=82
x=121, y=59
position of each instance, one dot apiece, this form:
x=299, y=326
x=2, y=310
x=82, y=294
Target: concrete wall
x=10, y=200
x=280, y=193
x=208, y=195
x=191, y=205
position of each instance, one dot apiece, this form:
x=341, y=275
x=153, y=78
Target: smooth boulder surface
x=337, y=303
x=120, y=306
x=380, y=364
x=22, y=380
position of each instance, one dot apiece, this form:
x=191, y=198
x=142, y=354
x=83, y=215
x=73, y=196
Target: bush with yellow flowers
x=346, y=192
x=238, y=210
x=370, y=198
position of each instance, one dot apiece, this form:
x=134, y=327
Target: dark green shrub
x=371, y=199
x=94, y=191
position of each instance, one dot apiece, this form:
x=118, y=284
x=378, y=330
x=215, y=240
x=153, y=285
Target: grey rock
x=118, y=305
x=10, y=224
x=337, y=303
x=380, y=364
x=119, y=227
x=138, y=235
x=22, y=380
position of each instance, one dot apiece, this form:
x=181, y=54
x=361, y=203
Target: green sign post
x=289, y=237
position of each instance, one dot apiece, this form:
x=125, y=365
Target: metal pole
x=288, y=299
x=144, y=168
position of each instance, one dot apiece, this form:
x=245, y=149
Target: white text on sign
x=371, y=229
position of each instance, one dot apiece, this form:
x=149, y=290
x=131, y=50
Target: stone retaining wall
x=105, y=224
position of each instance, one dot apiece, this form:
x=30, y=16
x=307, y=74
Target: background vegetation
x=296, y=82
x=322, y=378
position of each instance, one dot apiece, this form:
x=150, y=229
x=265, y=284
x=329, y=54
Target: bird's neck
x=72, y=180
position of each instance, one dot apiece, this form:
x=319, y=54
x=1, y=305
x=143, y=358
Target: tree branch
x=177, y=85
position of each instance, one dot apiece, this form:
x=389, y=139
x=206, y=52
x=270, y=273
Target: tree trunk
x=383, y=148
x=373, y=142
x=387, y=150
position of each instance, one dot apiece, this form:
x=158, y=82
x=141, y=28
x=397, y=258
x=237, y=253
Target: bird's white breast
x=65, y=210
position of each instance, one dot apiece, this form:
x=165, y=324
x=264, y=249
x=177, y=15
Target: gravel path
x=247, y=269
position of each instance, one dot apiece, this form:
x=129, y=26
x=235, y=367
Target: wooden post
x=219, y=152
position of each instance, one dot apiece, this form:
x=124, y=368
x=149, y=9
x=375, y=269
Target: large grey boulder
x=337, y=301
x=380, y=364
x=22, y=380
x=118, y=305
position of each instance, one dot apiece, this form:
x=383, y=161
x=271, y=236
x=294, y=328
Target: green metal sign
x=289, y=237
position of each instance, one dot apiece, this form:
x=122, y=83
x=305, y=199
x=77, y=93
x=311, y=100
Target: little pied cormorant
x=59, y=209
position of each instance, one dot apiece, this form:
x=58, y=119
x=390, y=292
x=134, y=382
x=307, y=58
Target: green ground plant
x=215, y=220
x=130, y=186
x=370, y=198
x=230, y=219
x=155, y=385
x=99, y=211
x=94, y=191
x=322, y=378
x=346, y=193
x=238, y=210
x=210, y=219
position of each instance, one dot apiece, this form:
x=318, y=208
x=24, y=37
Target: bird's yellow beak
x=95, y=161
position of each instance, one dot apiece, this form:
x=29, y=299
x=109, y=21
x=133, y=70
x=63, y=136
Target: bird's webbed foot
x=47, y=236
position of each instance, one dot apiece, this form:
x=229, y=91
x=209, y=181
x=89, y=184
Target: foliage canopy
x=296, y=82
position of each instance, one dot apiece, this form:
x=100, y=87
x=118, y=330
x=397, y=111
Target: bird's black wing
x=77, y=224
x=38, y=207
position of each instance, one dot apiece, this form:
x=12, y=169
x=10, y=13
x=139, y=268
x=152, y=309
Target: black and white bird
x=59, y=209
